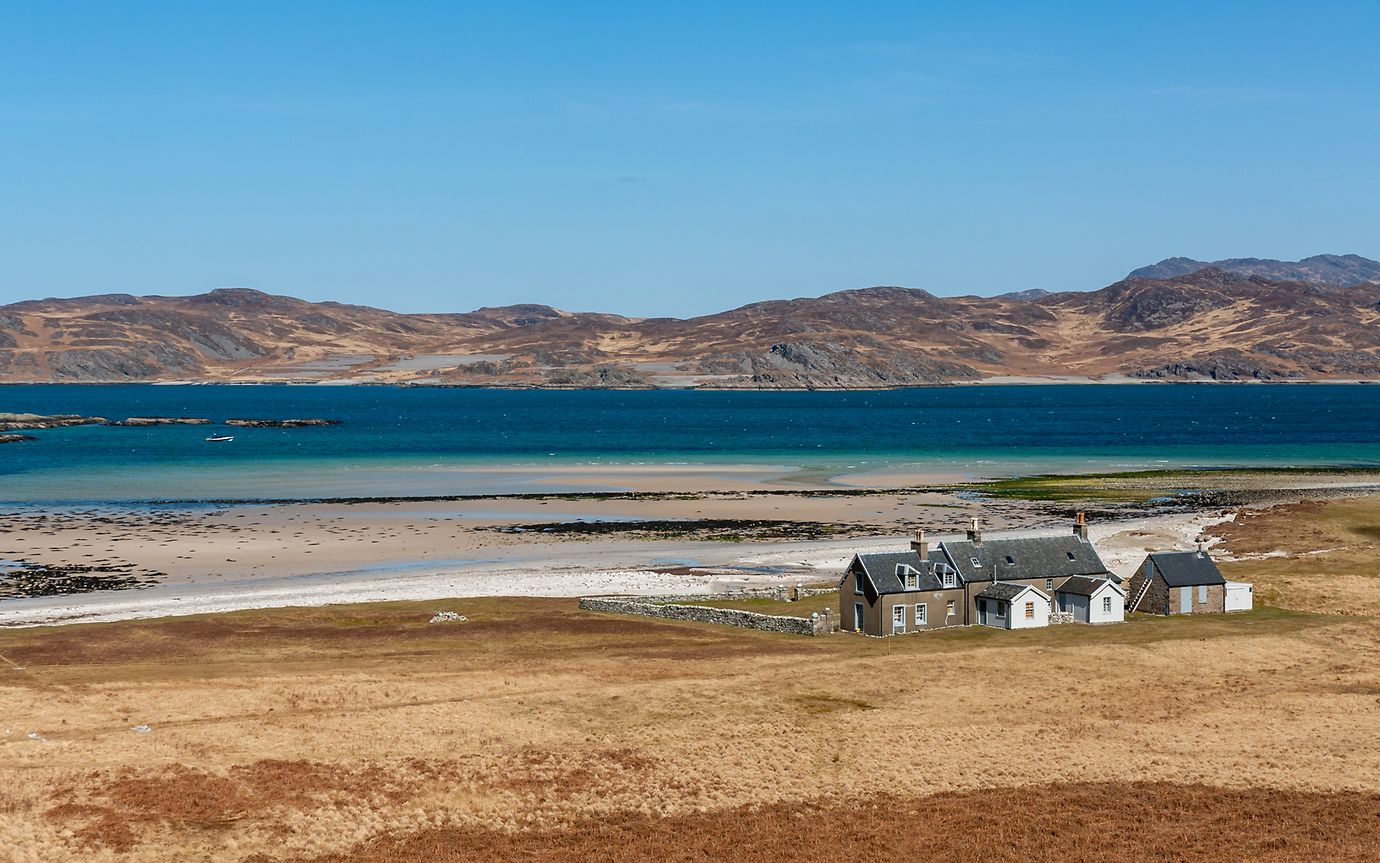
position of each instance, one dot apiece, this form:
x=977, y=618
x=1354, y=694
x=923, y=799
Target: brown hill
x=1207, y=324
x=1343, y=270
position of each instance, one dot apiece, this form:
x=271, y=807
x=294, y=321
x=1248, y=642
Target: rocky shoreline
x=10, y=422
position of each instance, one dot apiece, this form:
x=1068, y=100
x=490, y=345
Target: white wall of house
x=1107, y=606
x=1240, y=596
x=1074, y=604
x=1016, y=618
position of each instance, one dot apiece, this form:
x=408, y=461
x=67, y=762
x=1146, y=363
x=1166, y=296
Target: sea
x=422, y=441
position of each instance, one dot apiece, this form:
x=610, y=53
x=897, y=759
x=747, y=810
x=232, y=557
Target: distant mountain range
x=1344, y=270
x=1246, y=319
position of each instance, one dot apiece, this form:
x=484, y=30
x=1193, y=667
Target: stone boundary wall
x=820, y=625
x=784, y=594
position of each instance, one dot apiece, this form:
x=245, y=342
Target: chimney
x=975, y=533
x=920, y=546
x=1080, y=527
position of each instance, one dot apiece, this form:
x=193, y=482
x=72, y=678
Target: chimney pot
x=1080, y=526
x=920, y=546
x=975, y=533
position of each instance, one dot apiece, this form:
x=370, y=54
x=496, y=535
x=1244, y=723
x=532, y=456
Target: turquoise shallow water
x=416, y=441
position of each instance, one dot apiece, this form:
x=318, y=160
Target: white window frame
x=922, y=614
x=1001, y=610
x=895, y=616
x=1030, y=609
x=949, y=579
x=1106, y=605
x=950, y=610
x=858, y=582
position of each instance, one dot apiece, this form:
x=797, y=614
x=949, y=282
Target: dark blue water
x=454, y=441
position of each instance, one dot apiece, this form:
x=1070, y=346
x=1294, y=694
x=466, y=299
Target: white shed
x=1091, y=600
x=1240, y=596
x=1012, y=606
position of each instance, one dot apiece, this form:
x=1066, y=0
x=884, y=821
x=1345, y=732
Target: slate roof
x=1082, y=585
x=1031, y=557
x=1006, y=592
x=1187, y=568
x=881, y=570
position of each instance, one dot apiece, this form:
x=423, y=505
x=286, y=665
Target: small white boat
x=220, y=438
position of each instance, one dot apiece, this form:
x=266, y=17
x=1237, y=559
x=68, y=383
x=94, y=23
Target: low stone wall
x=815, y=625
x=1056, y=617
x=781, y=593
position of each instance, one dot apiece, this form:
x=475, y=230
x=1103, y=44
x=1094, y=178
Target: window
x=1010, y=561
x=1202, y=593
x=976, y=562
x=921, y=614
x=1030, y=611
x=948, y=578
x=898, y=618
x=858, y=581
x=1049, y=584
x=1106, y=605
x=1001, y=609
x=1070, y=554
x=949, y=609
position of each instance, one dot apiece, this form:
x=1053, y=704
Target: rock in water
x=280, y=424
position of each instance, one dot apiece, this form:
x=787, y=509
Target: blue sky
x=672, y=159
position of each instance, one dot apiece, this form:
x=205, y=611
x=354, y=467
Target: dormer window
x=908, y=575
x=950, y=580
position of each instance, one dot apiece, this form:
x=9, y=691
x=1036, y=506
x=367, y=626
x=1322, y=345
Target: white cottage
x=1091, y=600
x=1012, y=606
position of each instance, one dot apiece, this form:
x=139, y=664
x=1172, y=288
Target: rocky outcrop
x=280, y=423
x=161, y=421
x=1220, y=366
x=24, y=422
x=15, y=438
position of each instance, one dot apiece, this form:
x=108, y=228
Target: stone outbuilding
x=1178, y=582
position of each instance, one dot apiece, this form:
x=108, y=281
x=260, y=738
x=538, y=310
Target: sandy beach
x=201, y=560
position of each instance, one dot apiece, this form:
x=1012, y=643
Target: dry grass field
x=535, y=732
